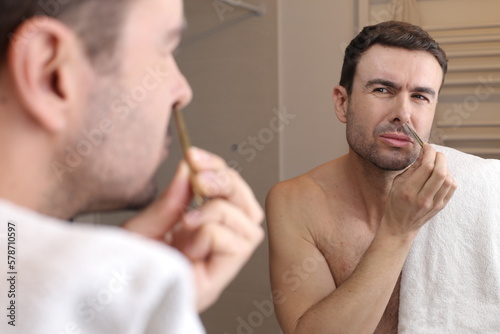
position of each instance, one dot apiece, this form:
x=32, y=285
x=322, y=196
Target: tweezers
x=415, y=135
x=198, y=199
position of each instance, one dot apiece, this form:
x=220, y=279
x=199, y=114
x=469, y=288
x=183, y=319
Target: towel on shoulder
x=451, y=280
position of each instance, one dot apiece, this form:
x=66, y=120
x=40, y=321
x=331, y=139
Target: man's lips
x=396, y=139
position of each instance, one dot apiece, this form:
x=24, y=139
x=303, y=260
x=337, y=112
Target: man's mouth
x=396, y=139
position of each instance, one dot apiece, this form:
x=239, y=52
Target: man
x=340, y=234
x=87, y=88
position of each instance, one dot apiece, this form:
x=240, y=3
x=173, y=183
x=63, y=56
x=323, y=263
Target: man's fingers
x=202, y=160
x=440, y=187
x=217, y=255
x=167, y=210
x=229, y=185
x=422, y=169
x=439, y=174
x=226, y=214
x=216, y=180
x=214, y=242
x=446, y=191
x=431, y=180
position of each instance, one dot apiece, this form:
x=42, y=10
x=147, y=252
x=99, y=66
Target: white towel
x=72, y=278
x=451, y=279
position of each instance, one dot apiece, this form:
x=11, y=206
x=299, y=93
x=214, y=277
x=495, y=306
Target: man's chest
x=343, y=244
x=343, y=247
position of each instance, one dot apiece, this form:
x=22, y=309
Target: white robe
x=78, y=279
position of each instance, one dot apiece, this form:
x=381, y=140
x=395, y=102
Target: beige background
x=244, y=69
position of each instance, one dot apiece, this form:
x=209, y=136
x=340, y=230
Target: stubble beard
x=368, y=149
x=110, y=187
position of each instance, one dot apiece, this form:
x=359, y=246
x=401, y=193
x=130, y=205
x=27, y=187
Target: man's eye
x=420, y=97
x=381, y=90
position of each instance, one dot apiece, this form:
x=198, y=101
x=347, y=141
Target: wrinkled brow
x=382, y=82
x=388, y=83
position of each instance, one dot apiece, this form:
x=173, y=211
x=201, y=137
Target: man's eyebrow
x=388, y=83
x=382, y=82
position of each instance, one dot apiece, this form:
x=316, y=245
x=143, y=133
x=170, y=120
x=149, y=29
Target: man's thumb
x=158, y=218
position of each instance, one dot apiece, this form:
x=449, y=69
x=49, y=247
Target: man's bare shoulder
x=308, y=191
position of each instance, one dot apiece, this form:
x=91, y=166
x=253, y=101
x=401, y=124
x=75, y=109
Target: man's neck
x=371, y=184
x=27, y=179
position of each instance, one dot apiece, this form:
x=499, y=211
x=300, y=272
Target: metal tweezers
x=198, y=199
x=415, y=135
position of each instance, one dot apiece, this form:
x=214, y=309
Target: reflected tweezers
x=185, y=145
x=415, y=135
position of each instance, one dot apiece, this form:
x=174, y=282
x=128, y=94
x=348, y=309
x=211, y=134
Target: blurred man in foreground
x=86, y=92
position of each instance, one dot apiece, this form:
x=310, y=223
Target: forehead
x=399, y=65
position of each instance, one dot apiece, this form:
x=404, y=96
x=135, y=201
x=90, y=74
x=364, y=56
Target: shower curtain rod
x=257, y=11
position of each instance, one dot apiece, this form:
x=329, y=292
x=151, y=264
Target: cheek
x=365, y=116
x=356, y=127
x=159, y=111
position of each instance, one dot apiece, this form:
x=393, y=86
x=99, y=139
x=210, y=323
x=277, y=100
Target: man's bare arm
x=356, y=306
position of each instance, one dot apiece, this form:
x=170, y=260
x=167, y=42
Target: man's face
x=392, y=86
x=131, y=108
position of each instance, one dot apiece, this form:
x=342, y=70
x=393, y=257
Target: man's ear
x=43, y=60
x=341, y=103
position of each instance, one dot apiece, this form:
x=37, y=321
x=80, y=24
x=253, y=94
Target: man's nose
x=401, y=112
x=183, y=91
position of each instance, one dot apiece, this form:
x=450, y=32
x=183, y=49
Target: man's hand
x=219, y=236
x=419, y=193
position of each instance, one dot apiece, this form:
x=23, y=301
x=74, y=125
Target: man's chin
x=393, y=168
x=148, y=194
x=142, y=200
x=395, y=160
x=395, y=165
x=135, y=203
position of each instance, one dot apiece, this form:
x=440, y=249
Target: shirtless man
x=340, y=234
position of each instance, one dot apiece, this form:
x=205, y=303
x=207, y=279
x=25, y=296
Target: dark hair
x=389, y=33
x=96, y=22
